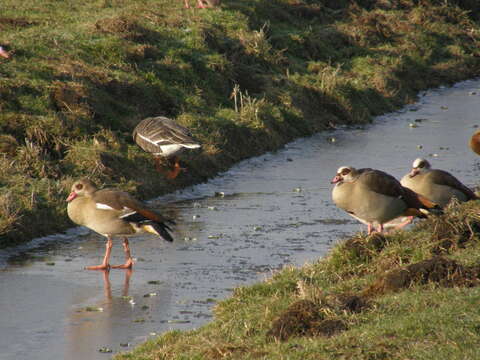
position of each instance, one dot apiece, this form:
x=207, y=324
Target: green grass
x=435, y=315
x=246, y=78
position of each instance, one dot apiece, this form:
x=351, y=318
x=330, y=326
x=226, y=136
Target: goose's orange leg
x=176, y=169
x=128, y=257
x=105, y=264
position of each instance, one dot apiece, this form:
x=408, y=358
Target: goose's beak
x=72, y=196
x=336, y=179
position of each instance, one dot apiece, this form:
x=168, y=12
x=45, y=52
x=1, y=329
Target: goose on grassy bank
x=436, y=185
x=165, y=139
x=374, y=197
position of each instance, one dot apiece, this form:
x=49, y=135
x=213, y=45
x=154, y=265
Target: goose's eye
x=79, y=186
x=345, y=171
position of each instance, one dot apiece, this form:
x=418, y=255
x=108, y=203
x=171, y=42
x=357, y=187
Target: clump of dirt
x=439, y=270
x=116, y=25
x=304, y=318
x=6, y=22
x=69, y=98
x=142, y=52
x=353, y=303
x=365, y=247
x=454, y=229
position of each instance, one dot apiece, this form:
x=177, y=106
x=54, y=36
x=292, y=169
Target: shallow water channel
x=263, y=214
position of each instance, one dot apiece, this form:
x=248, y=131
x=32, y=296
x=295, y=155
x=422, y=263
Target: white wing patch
x=103, y=206
x=147, y=139
x=128, y=214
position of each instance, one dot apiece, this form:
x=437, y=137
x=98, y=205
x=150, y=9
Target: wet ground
x=263, y=214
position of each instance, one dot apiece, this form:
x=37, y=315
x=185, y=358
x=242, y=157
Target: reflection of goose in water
x=103, y=317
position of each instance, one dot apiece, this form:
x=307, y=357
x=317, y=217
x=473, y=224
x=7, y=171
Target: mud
x=305, y=318
x=437, y=270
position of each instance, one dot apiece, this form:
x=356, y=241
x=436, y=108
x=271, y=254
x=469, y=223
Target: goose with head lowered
x=375, y=197
x=165, y=139
x=111, y=213
x=436, y=185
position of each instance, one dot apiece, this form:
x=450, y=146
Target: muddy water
x=268, y=212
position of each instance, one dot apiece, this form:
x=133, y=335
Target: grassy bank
x=246, y=78
x=408, y=295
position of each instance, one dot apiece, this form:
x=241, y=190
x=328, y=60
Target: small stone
x=413, y=125
x=443, y=107
x=419, y=146
x=93, y=309
x=219, y=194
x=150, y=294
x=105, y=350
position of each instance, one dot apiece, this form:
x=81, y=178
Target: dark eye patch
x=345, y=171
x=79, y=186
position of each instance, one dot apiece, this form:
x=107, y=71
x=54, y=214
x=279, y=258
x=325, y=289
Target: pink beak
x=413, y=172
x=72, y=196
x=336, y=179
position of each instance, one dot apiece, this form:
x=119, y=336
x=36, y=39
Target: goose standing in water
x=374, y=197
x=436, y=185
x=165, y=139
x=111, y=212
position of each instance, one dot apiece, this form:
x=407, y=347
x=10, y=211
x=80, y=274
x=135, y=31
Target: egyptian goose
x=436, y=185
x=203, y=4
x=110, y=212
x=375, y=198
x=475, y=142
x=165, y=139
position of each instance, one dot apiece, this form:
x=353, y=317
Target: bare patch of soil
x=365, y=247
x=7, y=22
x=304, y=318
x=439, y=270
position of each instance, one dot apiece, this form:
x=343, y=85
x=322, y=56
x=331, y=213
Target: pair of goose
x=376, y=198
